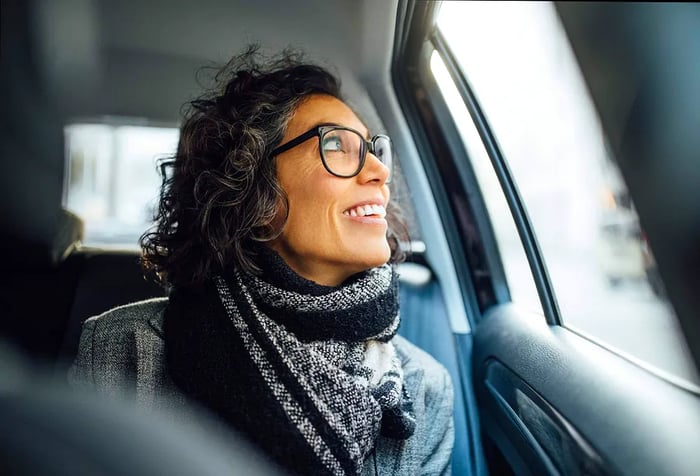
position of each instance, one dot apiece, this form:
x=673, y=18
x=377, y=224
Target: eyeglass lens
x=383, y=151
x=343, y=151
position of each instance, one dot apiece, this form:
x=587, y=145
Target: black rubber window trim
x=414, y=23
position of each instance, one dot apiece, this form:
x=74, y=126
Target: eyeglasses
x=344, y=150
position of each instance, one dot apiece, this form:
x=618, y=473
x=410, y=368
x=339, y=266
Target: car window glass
x=521, y=284
x=525, y=76
x=112, y=179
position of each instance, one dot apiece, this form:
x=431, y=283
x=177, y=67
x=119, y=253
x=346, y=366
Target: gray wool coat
x=122, y=354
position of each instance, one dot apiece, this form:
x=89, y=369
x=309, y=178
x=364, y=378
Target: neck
x=324, y=274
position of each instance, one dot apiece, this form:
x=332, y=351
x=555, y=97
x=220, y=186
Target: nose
x=374, y=170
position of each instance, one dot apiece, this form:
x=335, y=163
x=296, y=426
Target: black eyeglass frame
x=321, y=130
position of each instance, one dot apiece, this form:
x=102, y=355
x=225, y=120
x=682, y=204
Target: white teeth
x=367, y=210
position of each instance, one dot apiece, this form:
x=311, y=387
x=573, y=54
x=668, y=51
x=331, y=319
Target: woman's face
x=325, y=239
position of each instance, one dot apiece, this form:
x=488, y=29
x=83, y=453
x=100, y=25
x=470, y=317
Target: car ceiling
x=105, y=58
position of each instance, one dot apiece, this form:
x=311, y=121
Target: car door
x=574, y=373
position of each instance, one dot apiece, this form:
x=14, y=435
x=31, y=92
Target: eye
x=332, y=143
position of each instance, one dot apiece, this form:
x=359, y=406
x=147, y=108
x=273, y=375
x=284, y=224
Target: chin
x=367, y=260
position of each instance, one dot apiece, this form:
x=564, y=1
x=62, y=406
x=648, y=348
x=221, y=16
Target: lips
x=366, y=210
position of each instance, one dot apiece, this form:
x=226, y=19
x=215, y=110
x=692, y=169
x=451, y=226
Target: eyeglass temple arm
x=295, y=142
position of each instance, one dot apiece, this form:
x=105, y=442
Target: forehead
x=319, y=109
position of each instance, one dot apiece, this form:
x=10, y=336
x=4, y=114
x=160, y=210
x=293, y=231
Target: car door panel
x=557, y=403
x=552, y=442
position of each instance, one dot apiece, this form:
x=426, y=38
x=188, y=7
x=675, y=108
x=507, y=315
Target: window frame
x=413, y=23
x=448, y=166
x=509, y=187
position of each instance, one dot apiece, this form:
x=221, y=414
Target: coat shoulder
x=129, y=317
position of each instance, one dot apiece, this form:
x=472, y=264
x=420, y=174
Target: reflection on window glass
x=112, y=180
x=518, y=60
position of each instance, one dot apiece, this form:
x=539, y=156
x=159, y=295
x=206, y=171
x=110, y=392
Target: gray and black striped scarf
x=308, y=372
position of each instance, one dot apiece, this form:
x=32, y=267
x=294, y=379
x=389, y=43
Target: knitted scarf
x=307, y=372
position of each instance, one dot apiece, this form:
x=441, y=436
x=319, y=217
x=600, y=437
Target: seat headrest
x=43, y=251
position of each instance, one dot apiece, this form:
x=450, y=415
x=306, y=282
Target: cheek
x=313, y=206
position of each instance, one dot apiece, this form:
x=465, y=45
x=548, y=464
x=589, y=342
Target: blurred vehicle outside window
x=112, y=179
x=523, y=72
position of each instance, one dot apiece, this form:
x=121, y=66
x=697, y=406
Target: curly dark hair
x=220, y=192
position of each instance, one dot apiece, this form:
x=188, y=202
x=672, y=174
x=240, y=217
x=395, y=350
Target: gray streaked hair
x=220, y=192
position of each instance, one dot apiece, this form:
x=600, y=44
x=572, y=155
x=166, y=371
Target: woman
x=273, y=239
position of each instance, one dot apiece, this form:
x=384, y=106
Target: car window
x=520, y=281
x=112, y=179
x=521, y=68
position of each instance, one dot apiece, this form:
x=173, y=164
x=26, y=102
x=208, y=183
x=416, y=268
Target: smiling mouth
x=377, y=211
